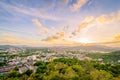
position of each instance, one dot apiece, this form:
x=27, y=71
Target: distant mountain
x=10, y=46
x=6, y=46
x=81, y=47
x=92, y=48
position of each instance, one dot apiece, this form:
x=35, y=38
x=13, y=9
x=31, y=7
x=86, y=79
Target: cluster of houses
x=27, y=62
x=23, y=64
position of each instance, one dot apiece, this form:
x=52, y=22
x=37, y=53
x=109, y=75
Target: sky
x=60, y=22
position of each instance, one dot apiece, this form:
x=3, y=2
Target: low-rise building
x=23, y=69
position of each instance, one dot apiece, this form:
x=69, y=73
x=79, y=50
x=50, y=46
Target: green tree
x=100, y=75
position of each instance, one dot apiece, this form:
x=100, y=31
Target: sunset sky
x=60, y=22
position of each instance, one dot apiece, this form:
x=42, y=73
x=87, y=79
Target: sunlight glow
x=85, y=40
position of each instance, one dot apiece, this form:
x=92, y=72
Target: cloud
x=57, y=36
x=14, y=9
x=58, y=39
x=8, y=38
x=66, y=28
x=102, y=19
x=113, y=17
x=65, y=1
x=78, y=4
x=61, y=5
x=18, y=41
x=117, y=37
x=87, y=21
x=37, y=23
x=90, y=2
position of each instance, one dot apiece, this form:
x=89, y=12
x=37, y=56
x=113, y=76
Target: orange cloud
x=8, y=40
x=56, y=39
x=115, y=42
x=58, y=42
x=87, y=21
x=37, y=23
x=57, y=36
x=15, y=39
x=117, y=37
x=102, y=19
x=78, y=4
x=109, y=18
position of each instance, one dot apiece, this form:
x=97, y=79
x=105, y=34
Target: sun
x=84, y=40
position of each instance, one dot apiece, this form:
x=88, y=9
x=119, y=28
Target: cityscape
x=59, y=40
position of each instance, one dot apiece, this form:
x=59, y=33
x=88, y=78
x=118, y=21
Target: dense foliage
x=107, y=57
x=68, y=69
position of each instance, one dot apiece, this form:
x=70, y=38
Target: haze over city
x=60, y=22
